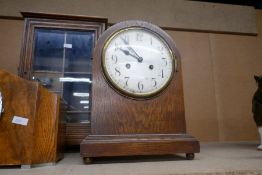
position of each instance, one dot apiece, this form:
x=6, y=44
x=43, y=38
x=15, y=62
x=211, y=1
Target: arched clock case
x=137, y=95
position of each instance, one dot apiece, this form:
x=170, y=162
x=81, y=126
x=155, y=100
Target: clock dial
x=138, y=62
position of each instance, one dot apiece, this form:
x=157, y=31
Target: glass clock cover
x=138, y=62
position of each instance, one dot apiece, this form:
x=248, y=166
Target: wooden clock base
x=138, y=144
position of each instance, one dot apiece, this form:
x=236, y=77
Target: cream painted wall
x=236, y=59
x=179, y=14
x=218, y=80
x=11, y=32
x=200, y=104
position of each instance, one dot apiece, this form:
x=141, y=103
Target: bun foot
x=87, y=160
x=190, y=156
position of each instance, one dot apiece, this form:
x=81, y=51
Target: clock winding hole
x=128, y=66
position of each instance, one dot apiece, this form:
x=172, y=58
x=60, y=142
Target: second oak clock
x=138, y=106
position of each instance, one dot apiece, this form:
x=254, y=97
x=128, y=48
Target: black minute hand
x=139, y=59
x=126, y=52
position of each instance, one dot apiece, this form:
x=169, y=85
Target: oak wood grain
x=141, y=144
x=125, y=126
x=41, y=140
x=113, y=113
x=76, y=132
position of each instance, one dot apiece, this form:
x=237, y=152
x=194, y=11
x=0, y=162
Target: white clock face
x=138, y=62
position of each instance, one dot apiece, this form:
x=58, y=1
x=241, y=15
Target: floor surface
x=214, y=157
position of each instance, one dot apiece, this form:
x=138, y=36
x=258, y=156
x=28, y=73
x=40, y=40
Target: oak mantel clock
x=138, y=106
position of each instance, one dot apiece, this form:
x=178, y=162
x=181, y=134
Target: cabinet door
x=49, y=50
x=48, y=58
x=78, y=76
x=57, y=51
x=79, y=49
x=63, y=63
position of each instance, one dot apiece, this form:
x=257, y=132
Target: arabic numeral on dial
x=126, y=38
x=139, y=36
x=126, y=78
x=117, y=46
x=117, y=71
x=140, y=85
x=114, y=58
x=161, y=49
x=154, y=82
x=165, y=61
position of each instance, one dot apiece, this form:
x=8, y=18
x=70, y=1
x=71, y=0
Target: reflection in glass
x=63, y=64
x=78, y=117
x=71, y=79
x=49, y=49
x=49, y=80
x=80, y=94
x=84, y=101
x=78, y=57
x=76, y=88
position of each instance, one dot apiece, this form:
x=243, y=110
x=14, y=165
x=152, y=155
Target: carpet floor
x=230, y=158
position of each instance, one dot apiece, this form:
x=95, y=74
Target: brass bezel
x=123, y=91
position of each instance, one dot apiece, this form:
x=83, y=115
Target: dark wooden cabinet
x=57, y=51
